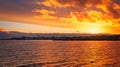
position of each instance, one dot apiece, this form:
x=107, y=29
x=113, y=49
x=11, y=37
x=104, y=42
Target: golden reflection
x=98, y=57
x=67, y=53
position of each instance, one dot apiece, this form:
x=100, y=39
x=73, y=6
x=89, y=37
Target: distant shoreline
x=69, y=40
x=60, y=39
x=67, y=37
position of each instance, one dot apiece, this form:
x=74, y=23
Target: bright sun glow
x=94, y=31
x=92, y=28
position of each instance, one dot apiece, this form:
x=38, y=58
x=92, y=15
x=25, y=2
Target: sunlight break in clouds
x=106, y=13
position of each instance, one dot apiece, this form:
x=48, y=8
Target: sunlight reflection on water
x=60, y=53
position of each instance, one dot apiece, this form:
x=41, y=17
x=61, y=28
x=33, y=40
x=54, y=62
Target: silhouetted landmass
x=88, y=37
x=56, y=36
x=98, y=37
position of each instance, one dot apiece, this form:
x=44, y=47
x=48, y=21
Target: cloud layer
x=62, y=13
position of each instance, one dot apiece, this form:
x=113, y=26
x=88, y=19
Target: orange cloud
x=53, y=3
x=45, y=14
x=84, y=13
x=102, y=11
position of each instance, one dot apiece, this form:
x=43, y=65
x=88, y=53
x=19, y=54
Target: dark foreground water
x=48, y=53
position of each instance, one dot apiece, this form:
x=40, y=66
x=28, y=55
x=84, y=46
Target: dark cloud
x=117, y=1
x=17, y=6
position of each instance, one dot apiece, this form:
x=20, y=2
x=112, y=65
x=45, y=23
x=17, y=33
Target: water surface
x=59, y=53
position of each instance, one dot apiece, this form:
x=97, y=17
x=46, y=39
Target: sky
x=60, y=16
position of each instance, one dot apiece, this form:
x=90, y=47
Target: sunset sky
x=60, y=16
